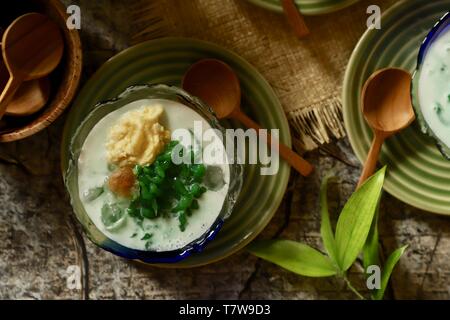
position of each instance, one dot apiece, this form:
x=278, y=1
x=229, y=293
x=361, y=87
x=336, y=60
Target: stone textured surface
x=39, y=240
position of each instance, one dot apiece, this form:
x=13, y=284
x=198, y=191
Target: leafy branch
x=356, y=233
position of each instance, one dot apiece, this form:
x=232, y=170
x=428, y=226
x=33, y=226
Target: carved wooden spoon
x=295, y=18
x=216, y=83
x=29, y=98
x=387, y=108
x=32, y=47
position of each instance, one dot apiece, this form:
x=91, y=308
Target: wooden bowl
x=64, y=80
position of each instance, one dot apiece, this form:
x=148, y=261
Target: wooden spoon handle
x=8, y=93
x=372, y=159
x=295, y=18
x=297, y=162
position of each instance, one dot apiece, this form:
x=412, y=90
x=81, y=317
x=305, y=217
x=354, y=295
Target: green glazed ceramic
x=418, y=174
x=307, y=7
x=165, y=61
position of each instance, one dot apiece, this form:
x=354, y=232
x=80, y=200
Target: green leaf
x=325, y=227
x=371, y=250
x=294, y=256
x=356, y=219
x=387, y=271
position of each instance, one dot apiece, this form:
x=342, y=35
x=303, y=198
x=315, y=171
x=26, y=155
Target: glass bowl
x=131, y=94
x=441, y=26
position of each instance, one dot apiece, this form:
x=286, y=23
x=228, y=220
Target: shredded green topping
x=147, y=236
x=440, y=113
x=166, y=188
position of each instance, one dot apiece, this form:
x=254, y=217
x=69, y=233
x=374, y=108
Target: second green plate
x=307, y=7
x=417, y=172
x=165, y=61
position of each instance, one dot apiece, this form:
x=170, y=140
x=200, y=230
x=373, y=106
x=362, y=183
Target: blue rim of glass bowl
x=164, y=257
x=438, y=28
x=133, y=93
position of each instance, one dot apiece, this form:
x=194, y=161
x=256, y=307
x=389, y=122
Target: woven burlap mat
x=306, y=74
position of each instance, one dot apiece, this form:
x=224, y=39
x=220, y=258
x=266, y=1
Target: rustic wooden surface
x=39, y=238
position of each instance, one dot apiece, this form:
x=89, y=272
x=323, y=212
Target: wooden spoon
x=32, y=47
x=216, y=83
x=387, y=108
x=295, y=18
x=29, y=98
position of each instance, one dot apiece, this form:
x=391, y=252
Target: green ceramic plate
x=165, y=61
x=307, y=7
x=418, y=173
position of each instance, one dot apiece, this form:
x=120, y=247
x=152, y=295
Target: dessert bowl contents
x=431, y=87
x=434, y=87
x=133, y=191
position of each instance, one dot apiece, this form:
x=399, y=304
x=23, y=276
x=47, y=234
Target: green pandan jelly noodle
x=166, y=188
x=155, y=205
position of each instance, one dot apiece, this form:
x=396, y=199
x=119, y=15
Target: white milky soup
x=434, y=87
x=159, y=234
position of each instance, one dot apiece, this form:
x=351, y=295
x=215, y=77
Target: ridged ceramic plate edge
x=360, y=141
